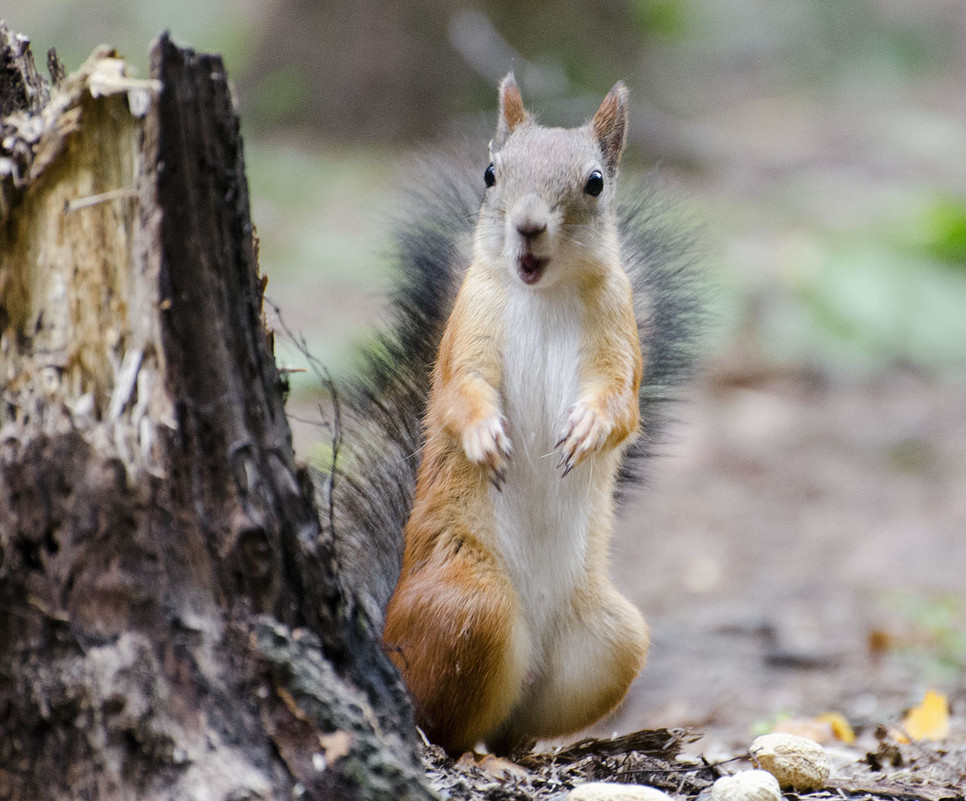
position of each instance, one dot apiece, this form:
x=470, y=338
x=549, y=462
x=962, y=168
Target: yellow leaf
x=840, y=726
x=929, y=720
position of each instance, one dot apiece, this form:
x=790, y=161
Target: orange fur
x=452, y=625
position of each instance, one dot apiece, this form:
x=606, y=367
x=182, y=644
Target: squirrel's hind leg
x=454, y=630
x=598, y=652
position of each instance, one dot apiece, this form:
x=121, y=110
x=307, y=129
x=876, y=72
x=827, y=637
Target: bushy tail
x=658, y=251
x=382, y=408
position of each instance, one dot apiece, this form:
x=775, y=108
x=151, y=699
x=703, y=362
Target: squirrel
x=527, y=369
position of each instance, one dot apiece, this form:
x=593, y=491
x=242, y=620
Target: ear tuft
x=610, y=125
x=512, y=112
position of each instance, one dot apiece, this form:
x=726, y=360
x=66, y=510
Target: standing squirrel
x=522, y=339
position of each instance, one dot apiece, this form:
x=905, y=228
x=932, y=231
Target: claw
x=584, y=434
x=486, y=444
x=498, y=479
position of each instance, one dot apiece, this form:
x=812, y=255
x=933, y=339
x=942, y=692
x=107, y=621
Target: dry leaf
x=929, y=720
x=840, y=726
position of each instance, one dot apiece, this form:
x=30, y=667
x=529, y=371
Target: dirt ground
x=787, y=547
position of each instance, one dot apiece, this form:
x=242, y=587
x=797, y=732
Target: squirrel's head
x=549, y=203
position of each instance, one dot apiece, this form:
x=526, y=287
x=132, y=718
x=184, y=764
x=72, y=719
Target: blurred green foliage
x=942, y=227
x=667, y=20
x=329, y=92
x=322, y=220
x=932, y=636
x=76, y=27
x=863, y=304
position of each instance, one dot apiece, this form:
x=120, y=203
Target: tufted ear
x=512, y=112
x=610, y=125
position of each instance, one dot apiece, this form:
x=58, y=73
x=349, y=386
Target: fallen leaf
x=880, y=642
x=840, y=726
x=929, y=720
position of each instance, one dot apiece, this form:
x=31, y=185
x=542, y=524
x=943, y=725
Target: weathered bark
x=172, y=621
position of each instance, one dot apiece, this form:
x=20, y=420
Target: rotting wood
x=172, y=624
x=21, y=87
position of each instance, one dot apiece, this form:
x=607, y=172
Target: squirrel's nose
x=530, y=228
x=530, y=217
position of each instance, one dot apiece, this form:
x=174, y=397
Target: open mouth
x=530, y=268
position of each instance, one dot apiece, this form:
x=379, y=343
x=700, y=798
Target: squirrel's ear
x=512, y=112
x=610, y=125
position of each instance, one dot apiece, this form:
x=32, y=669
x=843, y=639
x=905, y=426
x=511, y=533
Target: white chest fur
x=542, y=518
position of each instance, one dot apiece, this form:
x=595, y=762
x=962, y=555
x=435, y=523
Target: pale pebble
x=749, y=785
x=612, y=791
x=797, y=762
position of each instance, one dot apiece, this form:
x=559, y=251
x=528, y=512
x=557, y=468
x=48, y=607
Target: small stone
x=749, y=785
x=797, y=762
x=612, y=791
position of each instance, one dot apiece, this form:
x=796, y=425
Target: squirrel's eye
x=489, y=176
x=595, y=184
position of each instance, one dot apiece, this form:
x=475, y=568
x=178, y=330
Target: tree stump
x=173, y=622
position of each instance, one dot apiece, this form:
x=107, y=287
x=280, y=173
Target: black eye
x=489, y=176
x=595, y=184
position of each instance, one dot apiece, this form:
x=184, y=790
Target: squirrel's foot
x=485, y=443
x=585, y=433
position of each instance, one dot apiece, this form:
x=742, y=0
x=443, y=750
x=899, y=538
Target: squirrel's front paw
x=485, y=443
x=585, y=433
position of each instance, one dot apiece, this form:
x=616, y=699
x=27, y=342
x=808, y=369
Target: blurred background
x=803, y=549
